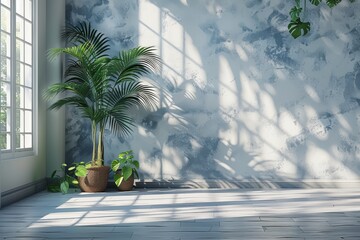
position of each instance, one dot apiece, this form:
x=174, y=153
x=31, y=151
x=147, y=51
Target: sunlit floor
x=186, y=214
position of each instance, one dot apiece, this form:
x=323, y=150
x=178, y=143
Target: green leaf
x=80, y=171
x=64, y=187
x=332, y=3
x=126, y=172
x=315, y=2
x=295, y=13
x=136, y=173
x=71, y=168
x=298, y=28
x=136, y=164
x=53, y=174
x=115, y=164
x=53, y=188
x=75, y=182
x=64, y=165
x=118, y=179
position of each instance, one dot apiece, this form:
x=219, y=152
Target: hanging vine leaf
x=315, y=2
x=295, y=13
x=332, y=3
x=298, y=28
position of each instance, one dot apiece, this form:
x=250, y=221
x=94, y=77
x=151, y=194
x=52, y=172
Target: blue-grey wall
x=239, y=97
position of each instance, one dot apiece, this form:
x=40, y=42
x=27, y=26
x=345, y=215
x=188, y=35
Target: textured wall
x=239, y=97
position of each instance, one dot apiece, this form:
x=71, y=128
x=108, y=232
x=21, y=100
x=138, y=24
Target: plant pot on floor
x=127, y=185
x=96, y=179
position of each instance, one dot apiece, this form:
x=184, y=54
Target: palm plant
x=102, y=87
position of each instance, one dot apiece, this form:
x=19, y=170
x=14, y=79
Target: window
x=17, y=85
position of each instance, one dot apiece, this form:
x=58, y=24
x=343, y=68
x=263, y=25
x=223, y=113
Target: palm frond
x=120, y=123
x=84, y=33
x=74, y=101
x=130, y=65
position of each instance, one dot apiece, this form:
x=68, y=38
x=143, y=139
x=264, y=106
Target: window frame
x=14, y=152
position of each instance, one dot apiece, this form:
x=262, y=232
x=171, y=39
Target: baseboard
x=248, y=184
x=21, y=192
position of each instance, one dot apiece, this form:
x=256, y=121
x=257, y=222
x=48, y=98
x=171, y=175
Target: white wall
x=55, y=128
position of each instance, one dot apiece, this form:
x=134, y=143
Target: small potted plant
x=125, y=168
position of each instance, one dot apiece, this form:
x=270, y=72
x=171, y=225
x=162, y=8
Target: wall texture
x=239, y=97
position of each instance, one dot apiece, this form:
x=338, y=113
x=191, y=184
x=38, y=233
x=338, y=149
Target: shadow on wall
x=261, y=104
x=241, y=99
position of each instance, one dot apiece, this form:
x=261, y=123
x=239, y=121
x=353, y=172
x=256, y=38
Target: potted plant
x=103, y=89
x=125, y=168
x=61, y=179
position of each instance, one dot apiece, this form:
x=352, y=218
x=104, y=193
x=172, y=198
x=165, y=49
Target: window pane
x=20, y=50
x=5, y=19
x=28, y=121
x=5, y=44
x=19, y=27
x=6, y=2
x=28, y=98
x=19, y=73
x=20, y=7
x=19, y=97
x=28, y=76
x=28, y=9
x=5, y=69
x=20, y=140
x=5, y=141
x=28, y=140
x=28, y=32
x=28, y=53
x=5, y=94
x=5, y=119
x=20, y=119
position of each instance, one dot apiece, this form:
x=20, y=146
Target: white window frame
x=13, y=152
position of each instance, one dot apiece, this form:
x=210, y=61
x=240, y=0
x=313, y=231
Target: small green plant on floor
x=124, y=167
x=61, y=179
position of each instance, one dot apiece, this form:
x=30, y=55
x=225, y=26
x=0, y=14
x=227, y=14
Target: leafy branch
x=297, y=27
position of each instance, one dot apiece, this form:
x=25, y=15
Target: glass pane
x=28, y=140
x=5, y=141
x=8, y=119
x=5, y=69
x=19, y=50
x=20, y=7
x=5, y=19
x=20, y=140
x=19, y=97
x=28, y=76
x=28, y=9
x=20, y=119
x=28, y=98
x=19, y=73
x=3, y=117
x=5, y=94
x=28, y=121
x=5, y=44
x=6, y=2
x=28, y=32
x=19, y=27
x=28, y=53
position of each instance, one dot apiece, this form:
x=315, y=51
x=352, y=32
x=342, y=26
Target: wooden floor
x=186, y=214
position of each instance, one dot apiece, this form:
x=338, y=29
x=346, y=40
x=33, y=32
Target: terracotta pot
x=127, y=185
x=96, y=180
